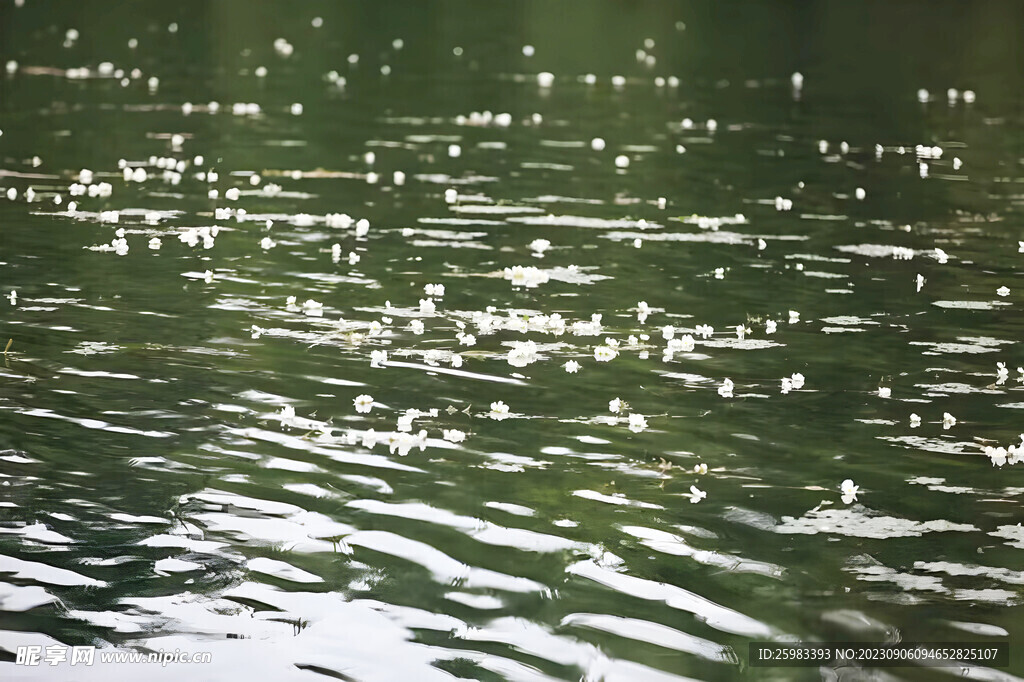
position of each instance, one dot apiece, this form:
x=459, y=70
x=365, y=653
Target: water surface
x=185, y=462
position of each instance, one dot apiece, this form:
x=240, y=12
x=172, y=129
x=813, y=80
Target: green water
x=155, y=495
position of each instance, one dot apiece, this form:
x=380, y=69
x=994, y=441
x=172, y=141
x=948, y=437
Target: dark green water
x=155, y=496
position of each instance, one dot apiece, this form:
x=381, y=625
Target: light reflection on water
x=183, y=462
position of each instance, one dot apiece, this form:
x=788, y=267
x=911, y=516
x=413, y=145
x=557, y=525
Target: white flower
x=416, y=327
x=453, y=435
x=499, y=410
x=794, y=317
x=705, y=331
x=341, y=220
x=798, y=380
x=572, y=366
x=467, y=340
x=539, y=246
x=696, y=495
x=849, y=491
x=456, y=360
x=941, y=256
x=267, y=243
x=369, y=438
x=920, y=280
x=1003, y=291
x=787, y=385
x=522, y=354
x=545, y=79
x=404, y=442
x=915, y=420
x=902, y=253
x=742, y=331
x=701, y=468
x=154, y=243
x=948, y=420
x=884, y=392
x=427, y=306
x=353, y=258
x=517, y=324
x=189, y=236
x=363, y=403
x=526, y=277
x=433, y=289
x=667, y=332
x=378, y=358
x=362, y=227
x=770, y=326
x=615, y=405
x=725, y=390
x=605, y=354
x=637, y=423
x=719, y=273
x=1002, y=374
x=997, y=455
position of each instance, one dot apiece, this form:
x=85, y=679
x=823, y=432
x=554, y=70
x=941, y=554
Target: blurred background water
x=158, y=493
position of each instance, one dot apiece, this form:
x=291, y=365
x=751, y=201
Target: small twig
x=10, y=342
